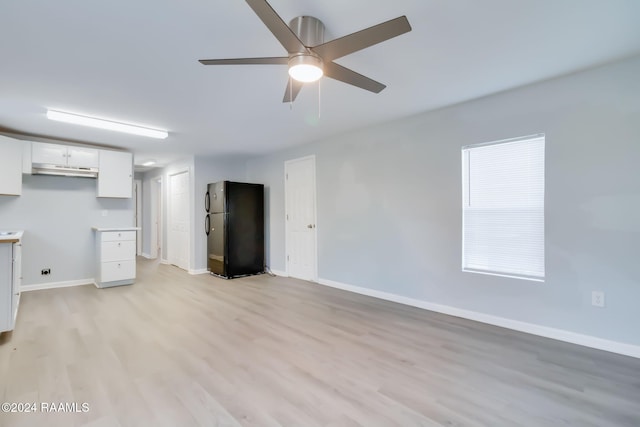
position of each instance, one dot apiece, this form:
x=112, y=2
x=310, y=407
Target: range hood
x=47, y=169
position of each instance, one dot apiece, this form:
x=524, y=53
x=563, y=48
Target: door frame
x=167, y=249
x=160, y=222
x=312, y=157
x=137, y=191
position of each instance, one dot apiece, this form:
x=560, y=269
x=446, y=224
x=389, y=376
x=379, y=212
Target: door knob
x=310, y=226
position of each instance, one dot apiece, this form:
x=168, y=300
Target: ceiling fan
x=309, y=57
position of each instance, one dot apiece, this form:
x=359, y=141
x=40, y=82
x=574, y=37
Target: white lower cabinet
x=116, y=250
x=10, y=281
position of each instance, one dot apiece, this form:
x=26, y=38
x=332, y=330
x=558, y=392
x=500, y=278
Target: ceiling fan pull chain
x=290, y=93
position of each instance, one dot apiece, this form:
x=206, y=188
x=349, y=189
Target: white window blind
x=503, y=208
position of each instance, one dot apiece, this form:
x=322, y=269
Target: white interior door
x=300, y=201
x=178, y=224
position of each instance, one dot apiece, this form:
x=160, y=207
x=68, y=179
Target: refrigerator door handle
x=207, y=224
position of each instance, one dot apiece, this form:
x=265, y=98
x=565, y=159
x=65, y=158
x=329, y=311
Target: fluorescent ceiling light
x=149, y=163
x=305, y=68
x=105, y=124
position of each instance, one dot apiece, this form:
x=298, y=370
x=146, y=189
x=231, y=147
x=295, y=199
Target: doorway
x=178, y=224
x=300, y=218
x=156, y=226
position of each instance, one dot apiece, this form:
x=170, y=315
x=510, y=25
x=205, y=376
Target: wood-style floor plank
x=181, y=350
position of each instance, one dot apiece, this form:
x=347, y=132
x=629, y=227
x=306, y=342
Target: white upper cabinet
x=50, y=154
x=10, y=166
x=63, y=155
x=115, y=178
x=82, y=157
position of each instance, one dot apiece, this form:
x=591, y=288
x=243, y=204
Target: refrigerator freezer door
x=216, y=248
x=216, y=195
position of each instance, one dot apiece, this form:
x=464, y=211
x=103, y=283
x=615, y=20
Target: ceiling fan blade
x=277, y=26
x=245, y=61
x=293, y=88
x=357, y=41
x=338, y=72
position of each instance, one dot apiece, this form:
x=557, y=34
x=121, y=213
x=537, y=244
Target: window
x=503, y=208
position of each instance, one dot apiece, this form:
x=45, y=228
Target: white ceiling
x=136, y=61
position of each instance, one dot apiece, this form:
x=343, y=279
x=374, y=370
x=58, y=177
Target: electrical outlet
x=597, y=298
x=45, y=271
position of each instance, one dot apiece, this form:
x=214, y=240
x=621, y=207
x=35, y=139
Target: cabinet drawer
x=118, y=270
x=118, y=251
x=111, y=236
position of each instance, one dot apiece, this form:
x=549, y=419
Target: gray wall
x=389, y=203
x=57, y=214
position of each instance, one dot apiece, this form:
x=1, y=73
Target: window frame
x=466, y=194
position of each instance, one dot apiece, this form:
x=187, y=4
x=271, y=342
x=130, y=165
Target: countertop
x=14, y=237
x=116, y=229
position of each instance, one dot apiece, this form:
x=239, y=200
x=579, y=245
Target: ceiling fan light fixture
x=305, y=68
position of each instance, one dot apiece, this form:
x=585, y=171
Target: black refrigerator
x=234, y=225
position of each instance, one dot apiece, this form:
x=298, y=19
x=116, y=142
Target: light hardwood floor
x=180, y=350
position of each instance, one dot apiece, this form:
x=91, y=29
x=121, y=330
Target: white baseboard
x=53, y=285
x=164, y=261
x=199, y=271
x=147, y=256
x=280, y=273
x=516, y=325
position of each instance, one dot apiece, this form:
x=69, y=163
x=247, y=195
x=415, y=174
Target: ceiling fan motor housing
x=309, y=30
